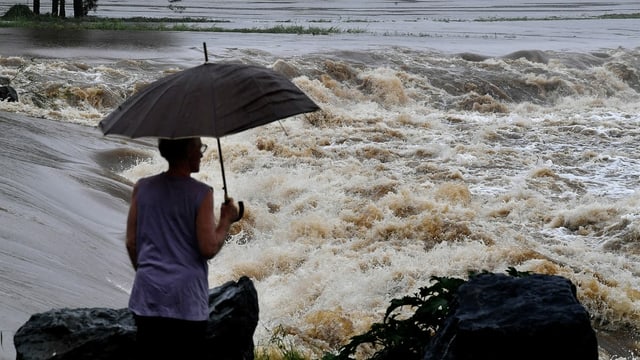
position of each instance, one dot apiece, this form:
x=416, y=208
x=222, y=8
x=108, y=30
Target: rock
x=8, y=93
x=286, y=69
x=473, y=57
x=95, y=333
x=109, y=334
x=502, y=317
x=535, y=56
x=233, y=317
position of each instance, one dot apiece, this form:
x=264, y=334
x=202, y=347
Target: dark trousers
x=170, y=339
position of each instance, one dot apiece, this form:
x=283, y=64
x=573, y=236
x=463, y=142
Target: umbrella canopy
x=212, y=99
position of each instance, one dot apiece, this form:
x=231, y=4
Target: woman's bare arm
x=211, y=237
x=132, y=224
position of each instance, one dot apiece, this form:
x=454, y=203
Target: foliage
x=22, y=16
x=556, y=18
x=18, y=12
x=398, y=338
x=278, y=349
x=620, y=16
x=187, y=24
x=516, y=273
x=407, y=338
x=88, y=5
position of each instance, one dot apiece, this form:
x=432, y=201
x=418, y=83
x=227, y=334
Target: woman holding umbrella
x=171, y=234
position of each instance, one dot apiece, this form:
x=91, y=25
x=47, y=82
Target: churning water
x=446, y=143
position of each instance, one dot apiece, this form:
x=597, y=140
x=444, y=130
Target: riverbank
x=20, y=16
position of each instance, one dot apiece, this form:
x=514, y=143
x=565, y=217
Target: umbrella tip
x=206, y=55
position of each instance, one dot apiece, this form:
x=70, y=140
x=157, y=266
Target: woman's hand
x=229, y=211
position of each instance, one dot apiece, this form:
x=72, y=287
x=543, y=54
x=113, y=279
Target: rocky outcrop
x=495, y=317
x=109, y=334
x=501, y=317
x=8, y=93
x=233, y=317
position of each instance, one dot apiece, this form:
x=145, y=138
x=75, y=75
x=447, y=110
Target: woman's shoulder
x=148, y=179
x=201, y=184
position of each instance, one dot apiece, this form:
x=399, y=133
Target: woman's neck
x=179, y=170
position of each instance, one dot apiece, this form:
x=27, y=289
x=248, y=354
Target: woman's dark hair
x=174, y=149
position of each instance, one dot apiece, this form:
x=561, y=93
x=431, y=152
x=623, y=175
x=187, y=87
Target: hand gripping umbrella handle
x=240, y=210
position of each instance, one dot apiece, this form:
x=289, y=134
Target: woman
x=171, y=234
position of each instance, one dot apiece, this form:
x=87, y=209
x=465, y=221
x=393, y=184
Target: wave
x=84, y=93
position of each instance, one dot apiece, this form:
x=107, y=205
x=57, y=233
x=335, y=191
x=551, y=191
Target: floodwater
x=446, y=143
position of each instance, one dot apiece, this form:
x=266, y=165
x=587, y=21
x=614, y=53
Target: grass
x=620, y=16
x=23, y=18
x=154, y=25
x=556, y=18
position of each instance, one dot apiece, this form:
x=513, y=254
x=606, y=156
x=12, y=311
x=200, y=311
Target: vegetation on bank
x=20, y=16
x=620, y=16
x=408, y=326
x=557, y=18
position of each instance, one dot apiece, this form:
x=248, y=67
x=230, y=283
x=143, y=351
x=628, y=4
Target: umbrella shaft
x=224, y=180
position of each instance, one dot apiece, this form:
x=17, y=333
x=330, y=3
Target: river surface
x=446, y=143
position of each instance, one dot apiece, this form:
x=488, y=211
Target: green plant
x=18, y=12
x=21, y=16
x=516, y=273
x=406, y=338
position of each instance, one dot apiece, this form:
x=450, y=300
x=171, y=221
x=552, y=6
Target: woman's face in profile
x=194, y=154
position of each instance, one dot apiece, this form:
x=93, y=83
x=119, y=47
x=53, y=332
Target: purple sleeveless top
x=171, y=279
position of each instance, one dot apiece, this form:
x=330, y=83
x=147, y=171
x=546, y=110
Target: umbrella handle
x=240, y=211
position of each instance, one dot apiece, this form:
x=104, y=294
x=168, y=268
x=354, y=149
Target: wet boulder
x=501, y=317
x=8, y=93
x=109, y=334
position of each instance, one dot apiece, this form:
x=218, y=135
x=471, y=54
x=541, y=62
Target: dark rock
x=500, y=317
x=109, y=334
x=535, y=56
x=233, y=317
x=8, y=93
x=473, y=57
x=95, y=333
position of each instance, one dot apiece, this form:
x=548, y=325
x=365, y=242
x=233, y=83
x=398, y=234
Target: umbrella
x=208, y=100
